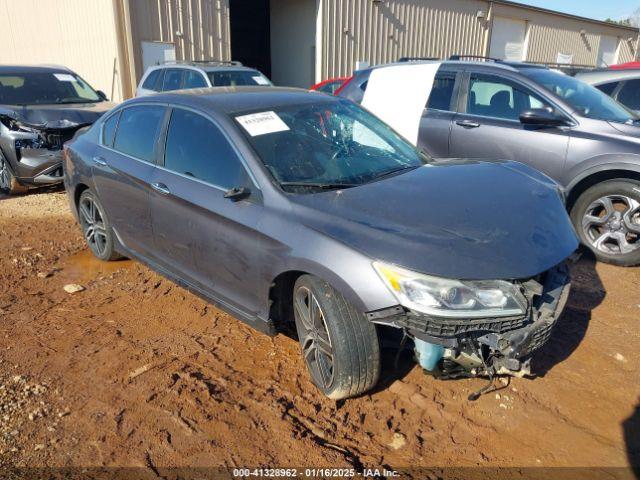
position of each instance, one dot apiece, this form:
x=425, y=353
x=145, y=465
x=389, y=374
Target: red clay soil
x=136, y=371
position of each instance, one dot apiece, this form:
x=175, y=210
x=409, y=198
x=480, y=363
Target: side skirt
x=253, y=321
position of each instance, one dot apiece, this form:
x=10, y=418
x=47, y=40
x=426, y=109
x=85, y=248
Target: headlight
x=452, y=298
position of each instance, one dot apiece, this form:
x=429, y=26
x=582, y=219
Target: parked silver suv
x=180, y=76
x=571, y=131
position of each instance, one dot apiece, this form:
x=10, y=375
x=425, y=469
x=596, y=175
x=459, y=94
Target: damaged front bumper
x=456, y=348
x=35, y=151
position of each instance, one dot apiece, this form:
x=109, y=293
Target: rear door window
x=172, y=79
x=629, y=94
x=193, y=79
x=608, y=88
x=442, y=92
x=151, y=80
x=138, y=131
x=197, y=148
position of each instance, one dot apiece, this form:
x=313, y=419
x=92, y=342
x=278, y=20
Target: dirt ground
x=135, y=371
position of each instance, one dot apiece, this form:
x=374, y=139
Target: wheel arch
x=365, y=295
x=599, y=174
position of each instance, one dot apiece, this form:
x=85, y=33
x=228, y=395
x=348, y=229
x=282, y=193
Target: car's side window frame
x=453, y=103
x=466, y=83
x=163, y=148
x=156, y=144
x=118, y=112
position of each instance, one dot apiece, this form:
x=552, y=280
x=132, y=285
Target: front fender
x=603, y=163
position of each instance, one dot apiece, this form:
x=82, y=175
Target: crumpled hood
x=57, y=116
x=458, y=219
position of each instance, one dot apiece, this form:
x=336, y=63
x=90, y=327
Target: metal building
x=295, y=42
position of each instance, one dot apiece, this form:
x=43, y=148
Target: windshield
x=326, y=145
x=35, y=88
x=585, y=99
x=237, y=78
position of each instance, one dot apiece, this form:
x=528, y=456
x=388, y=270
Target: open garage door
x=507, y=39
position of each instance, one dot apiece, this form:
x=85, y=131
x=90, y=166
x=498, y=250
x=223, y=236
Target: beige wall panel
x=78, y=34
x=550, y=34
x=203, y=25
x=381, y=32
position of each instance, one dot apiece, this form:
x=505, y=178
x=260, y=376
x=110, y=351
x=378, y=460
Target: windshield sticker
x=262, y=123
x=64, y=77
x=260, y=80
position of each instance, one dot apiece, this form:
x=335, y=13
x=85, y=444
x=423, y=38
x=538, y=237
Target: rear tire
x=607, y=219
x=96, y=228
x=9, y=184
x=339, y=345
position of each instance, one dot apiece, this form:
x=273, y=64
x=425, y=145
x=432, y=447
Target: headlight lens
x=452, y=298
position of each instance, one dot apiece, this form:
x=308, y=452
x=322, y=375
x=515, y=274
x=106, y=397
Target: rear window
x=138, y=131
x=237, y=78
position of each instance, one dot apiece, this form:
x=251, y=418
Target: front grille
x=451, y=327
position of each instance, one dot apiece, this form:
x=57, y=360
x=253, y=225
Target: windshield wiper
x=393, y=171
x=321, y=186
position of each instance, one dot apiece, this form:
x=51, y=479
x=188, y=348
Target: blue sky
x=598, y=9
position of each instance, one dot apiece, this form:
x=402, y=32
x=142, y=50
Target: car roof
x=205, y=67
x=489, y=63
x=18, y=69
x=227, y=100
x=597, y=77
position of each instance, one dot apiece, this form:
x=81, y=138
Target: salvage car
x=623, y=85
x=567, y=129
x=283, y=205
x=40, y=109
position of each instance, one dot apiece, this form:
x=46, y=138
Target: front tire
x=9, y=184
x=339, y=345
x=607, y=219
x=96, y=227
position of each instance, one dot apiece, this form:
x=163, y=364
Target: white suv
x=179, y=76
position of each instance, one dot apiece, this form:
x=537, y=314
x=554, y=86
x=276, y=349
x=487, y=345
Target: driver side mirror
x=542, y=117
x=102, y=95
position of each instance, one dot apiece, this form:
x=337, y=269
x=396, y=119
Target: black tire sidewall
x=626, y=187
x=109, y=251
x=347, y=363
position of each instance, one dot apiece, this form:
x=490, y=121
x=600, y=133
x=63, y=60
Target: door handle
x=161, y=188
x=98, y=160
x=467, y=124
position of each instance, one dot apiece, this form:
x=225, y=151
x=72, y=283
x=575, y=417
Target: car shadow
x=631, y=433
x=587, y=292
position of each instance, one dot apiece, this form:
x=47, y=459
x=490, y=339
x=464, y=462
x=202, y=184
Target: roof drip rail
x=473, y=57
x=233, y=63
x=417, y=59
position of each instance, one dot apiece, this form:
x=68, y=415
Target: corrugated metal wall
x=552, y=34
x=203, y=24
x=380, y=32
x=74, y=33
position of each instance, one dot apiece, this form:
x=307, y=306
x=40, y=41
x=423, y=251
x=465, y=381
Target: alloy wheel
x=612, y=224
x=5, y=179
x=314, y=337
x=93, y=226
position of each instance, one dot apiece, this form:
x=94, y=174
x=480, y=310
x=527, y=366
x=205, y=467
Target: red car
x=626, y=66
x=330, y=86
